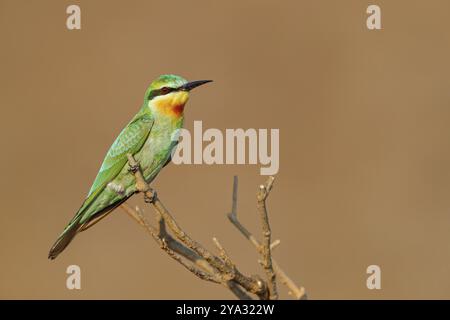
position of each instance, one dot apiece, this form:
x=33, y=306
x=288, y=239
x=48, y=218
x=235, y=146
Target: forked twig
x=294, y=290
x=197, y=259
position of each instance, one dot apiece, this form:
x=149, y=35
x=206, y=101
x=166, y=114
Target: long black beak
x=193, y=84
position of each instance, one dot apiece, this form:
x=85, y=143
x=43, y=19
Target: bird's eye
x=165, y=90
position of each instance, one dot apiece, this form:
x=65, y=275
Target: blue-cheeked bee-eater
x=149, y=138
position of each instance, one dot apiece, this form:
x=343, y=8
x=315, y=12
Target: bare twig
x=262, y=195
x=248, y=283
x=233, y=216
x=201, y=262
x=297, y=292
x=237, y=290
x=213, y=268
x=275, y=244
x=224, y=255
x=163, y=244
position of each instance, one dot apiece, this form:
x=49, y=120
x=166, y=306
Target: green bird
x=150, y=137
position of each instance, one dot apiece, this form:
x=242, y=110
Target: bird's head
x=169, y=93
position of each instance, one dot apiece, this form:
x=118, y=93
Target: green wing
x=130, y=140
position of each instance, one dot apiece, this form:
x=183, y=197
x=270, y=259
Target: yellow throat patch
x=171, y=104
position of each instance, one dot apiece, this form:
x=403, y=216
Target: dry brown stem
x=203, y=263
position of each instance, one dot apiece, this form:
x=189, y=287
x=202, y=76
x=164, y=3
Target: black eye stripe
x=160, y=92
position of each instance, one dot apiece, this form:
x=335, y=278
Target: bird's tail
x=66, y=236
x=80, y=223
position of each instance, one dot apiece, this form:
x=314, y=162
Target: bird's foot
x=134, y=167
x=150, y=196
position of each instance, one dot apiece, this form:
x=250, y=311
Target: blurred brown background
x=364, y=126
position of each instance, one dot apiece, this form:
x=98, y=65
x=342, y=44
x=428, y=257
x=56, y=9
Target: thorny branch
x=204, y=264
